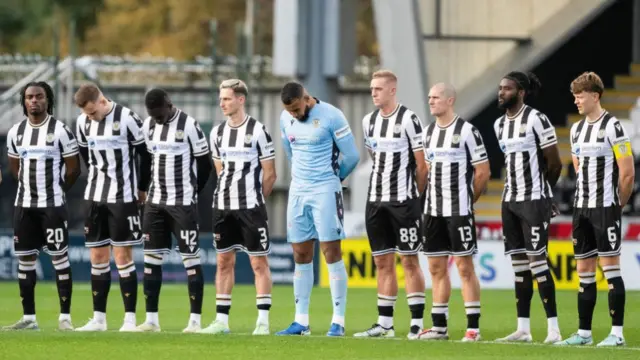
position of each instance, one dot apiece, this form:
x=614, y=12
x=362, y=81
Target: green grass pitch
x=498, y=319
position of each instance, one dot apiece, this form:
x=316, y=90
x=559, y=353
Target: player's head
x=296, y=100
x=516, y=88
x=442, y=97
x=383, y=88
x=93, y=103
x=233, y=94
x=37, y=99
x=158, y=105
x=587, y=90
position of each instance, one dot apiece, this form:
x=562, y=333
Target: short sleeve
x=264, y=143
x=134, y=129
x=339, y=126
x=618, y=138
x=12, y=150
x=413, y=128
x=543, y=128
x=475, y=145
x=68, y=143
x=215, y=151
x=81, y=137
x=365, y=131
x=196, y=137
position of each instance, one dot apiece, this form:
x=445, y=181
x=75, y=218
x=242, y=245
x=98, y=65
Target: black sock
x=129, y=286
x=587, y=296
x=64, y=283
x=196, y=288
x=472, y=309
x=616, y=294
x=223, y=304
x=263, y=302
x=27, y=282
x=546, y=287
x=100, y=286
x=385, y=310
x=524, y=291
x=416, y=307
x=439, y=315
x=152, y=285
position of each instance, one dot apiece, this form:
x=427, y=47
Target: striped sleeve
x=475, y=145
x=68, y=143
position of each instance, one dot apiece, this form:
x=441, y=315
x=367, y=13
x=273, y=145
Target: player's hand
x=554, y=210
x=142, y=197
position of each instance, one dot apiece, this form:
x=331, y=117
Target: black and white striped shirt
x=393, y=139
x=594, y=143
x=451, y=153
x=173, y=147
x=112, y=168
x=522, y=139
x=240, y=149
x=41, y=150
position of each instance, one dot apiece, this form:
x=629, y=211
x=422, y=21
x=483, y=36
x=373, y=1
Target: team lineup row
x=422, y=188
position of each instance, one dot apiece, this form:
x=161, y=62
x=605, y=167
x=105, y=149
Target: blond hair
x=385, y=74
x=238, y=86
x=587, y=82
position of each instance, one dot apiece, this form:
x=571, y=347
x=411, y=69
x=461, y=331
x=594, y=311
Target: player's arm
x=480, y=162
x=283, y=135
x=82, y=140
x=621, y=145
x=200, y=151
x=346, y=143
x=215, y=151
x=69, y=150
x=548, y=142
x=12, y=154
x=574, y=158
x=365, y=133
x=135, y=136
x=266, y=154
x=413, y=130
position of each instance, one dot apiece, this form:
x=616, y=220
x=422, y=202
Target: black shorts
x=596, y=232
x=112, y=224
x=450, y=235
x=394, y=227
x=245, y=230
x=40, y=228
x=159, y=222
x=525, y=226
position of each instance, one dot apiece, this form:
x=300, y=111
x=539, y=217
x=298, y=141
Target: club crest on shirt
x=19, y=137
x=50, y=137
x=600, y=134
x=87, y=125
x=151, y=132
x=247, y=139
x=397, y=128
x=523, y=129
x=316, y=123
x=116, y=125
x=455, y=139
x=179, y=134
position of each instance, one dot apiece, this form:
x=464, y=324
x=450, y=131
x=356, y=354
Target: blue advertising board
x=280, y=261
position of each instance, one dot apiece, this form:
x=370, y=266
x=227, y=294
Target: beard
x=508, y=103
x=305, y=116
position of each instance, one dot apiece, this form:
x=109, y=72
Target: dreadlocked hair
x=47, y=90
x=528, y=82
